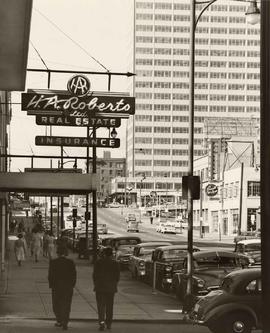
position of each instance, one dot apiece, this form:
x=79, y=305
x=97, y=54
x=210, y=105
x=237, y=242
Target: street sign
x=76, y=141
x=211, y=190
x=94, y=103
x=77, y=121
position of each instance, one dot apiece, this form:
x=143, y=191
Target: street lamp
x=252, y=16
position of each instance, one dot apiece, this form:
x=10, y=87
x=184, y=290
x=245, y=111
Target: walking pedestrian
x=62, y=279
x=50, y=245
x=36, y=245
x=20, y=249
x=106, y=275
x=45, y=243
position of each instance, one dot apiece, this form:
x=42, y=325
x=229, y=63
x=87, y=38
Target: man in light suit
x=62, y=280
x=105, y=276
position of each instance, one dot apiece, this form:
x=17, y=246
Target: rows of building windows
x=186, y=7
x=213, y=86
x=162, y=163
x=201, y=108
x=199, y=52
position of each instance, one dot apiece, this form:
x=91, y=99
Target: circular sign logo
x=211, y=190
x=79, y=85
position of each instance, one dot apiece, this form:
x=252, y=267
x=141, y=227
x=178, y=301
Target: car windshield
x=122, y=242
x=146, y=251
x=226, y=284
x=174, y=253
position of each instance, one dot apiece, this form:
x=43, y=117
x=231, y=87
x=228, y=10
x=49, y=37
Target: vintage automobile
x=133, y=226
x=166, y=261
x=122, y=247
x=209, y=268
x=102, y=228
x=236, y=307
x=166, y=227
x=141, y=254
x=130, y=217
x=248, y=235
x=250, y=248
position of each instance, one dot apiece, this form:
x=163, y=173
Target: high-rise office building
x=226, y=81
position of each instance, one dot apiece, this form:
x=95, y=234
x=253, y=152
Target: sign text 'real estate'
x=78, y=121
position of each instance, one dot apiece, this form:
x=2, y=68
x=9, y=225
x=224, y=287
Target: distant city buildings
x=227, y=83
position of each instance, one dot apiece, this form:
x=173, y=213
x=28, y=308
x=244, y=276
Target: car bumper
x=193, y=318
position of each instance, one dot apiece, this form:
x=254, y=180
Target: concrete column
x=3, y=242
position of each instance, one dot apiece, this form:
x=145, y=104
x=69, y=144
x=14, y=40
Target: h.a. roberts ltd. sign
x=64, y=103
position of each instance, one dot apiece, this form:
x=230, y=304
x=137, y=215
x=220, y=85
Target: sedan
x=236, y=307
x=209, y=268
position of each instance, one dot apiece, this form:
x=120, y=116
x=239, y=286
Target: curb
x=139, y=321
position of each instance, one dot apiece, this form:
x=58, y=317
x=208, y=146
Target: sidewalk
x=25, y=294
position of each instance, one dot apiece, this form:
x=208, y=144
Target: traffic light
x=192, y=183
x=214, y=159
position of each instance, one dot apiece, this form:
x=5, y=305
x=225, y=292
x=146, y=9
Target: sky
x=93, y=35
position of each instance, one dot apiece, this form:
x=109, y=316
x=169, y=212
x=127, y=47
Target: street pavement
x=25, y=294
x=25, y=300
x=46, y=326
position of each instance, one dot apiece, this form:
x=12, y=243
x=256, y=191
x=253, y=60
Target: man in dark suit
x=106, y=276
x=62, y=280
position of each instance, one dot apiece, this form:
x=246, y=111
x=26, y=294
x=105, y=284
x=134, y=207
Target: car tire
x=233, y=323
x=180, y=292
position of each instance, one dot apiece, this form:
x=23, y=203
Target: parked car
x=247, y=235
x=122, y=247
x=141, y=254
x=209, y=268
x=166, y=227
x=236, y=307
x=250, y=248
x=102, y=228
x=166, y=261
x=114, y=205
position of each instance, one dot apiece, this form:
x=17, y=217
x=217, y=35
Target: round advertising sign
x=211, y=190
x=79, y=85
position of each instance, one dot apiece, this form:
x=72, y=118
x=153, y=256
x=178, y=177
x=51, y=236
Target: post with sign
x=79, y=107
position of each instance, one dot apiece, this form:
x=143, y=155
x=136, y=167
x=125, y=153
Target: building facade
x=235, y=204
x=108, y=168
x=226, y=81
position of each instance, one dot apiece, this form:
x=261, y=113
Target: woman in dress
x=50, y=245
x=37, y=244
x=20, y=249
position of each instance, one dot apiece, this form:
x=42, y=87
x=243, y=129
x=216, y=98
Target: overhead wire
x=76, y=43
x=39, y=55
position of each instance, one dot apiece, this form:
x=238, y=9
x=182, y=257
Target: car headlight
x=196, y=307
x=251, y=261
x=168, y=268
x=200, y=283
